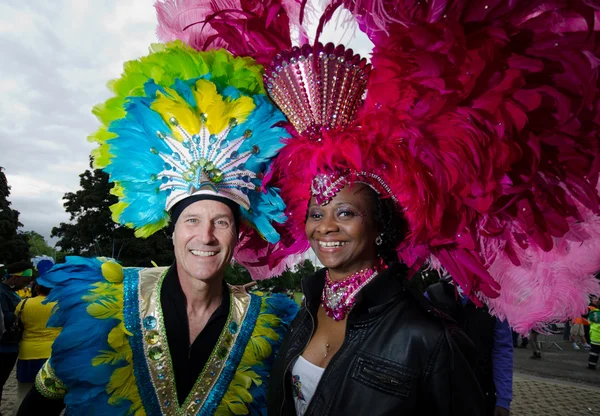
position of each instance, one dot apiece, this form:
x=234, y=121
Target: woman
x=364, y=343
x=36, y=345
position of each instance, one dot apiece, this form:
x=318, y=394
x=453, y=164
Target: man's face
x=19, y=282
x=204, y=239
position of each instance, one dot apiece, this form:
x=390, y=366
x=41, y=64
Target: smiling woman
x=363, y=341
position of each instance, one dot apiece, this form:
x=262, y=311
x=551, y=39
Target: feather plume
x=244, y=28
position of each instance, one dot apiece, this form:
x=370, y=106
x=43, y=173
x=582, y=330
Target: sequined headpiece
x=186, y=123
x=318, y=87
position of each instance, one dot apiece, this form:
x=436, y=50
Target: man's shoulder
x=278, y=304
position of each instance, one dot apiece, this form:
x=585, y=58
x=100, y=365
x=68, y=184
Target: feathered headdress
x=480, y=119
x=186, y=123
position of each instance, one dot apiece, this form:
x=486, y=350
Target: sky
x=55, y=60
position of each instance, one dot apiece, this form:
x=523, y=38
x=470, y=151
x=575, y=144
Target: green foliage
x=236, y=274
x=39, y=247
x=13, y=248
x=91, y=231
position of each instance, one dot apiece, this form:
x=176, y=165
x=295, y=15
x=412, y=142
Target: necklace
x=338, y=297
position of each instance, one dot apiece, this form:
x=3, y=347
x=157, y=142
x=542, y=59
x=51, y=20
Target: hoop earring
x=379, y=240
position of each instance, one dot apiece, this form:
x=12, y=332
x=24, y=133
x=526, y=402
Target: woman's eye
x=346, y=214
x=315, y=215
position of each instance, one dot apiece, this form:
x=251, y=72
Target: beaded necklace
x=338, y=296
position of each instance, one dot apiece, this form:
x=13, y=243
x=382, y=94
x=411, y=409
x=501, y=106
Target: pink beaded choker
x=338, y=297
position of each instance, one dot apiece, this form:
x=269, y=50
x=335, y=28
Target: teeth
x=203, y=253
x=332, y=243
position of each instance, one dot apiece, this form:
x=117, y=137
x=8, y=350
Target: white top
x=305, y=378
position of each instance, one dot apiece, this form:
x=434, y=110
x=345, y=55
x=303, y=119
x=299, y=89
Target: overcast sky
x=56, y=57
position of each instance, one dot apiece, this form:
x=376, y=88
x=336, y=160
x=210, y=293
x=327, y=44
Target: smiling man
x=185, y=150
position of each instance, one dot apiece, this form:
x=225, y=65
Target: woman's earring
x=379, y=240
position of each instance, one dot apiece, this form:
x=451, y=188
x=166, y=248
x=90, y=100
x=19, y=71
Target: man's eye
x=191, y=220
x=221, y=224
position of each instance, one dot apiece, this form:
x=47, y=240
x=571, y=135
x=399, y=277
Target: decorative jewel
x=325, y=187
x=149, y=322
x=338, y=297
x=233, y=327
x=222, y=353
x=155, y=353
x=152, y=337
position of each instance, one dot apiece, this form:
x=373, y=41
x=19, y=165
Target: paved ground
x=557, y=385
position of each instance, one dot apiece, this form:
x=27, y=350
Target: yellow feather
x=209, y=102
x=107, y=357
x=105, y=309
x=239, y=109
x=112, y=271
x=172, y=105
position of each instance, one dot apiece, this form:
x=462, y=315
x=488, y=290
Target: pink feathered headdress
x=482, y=120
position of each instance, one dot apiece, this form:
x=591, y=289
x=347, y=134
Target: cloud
x=56, y=60
x=57, y=57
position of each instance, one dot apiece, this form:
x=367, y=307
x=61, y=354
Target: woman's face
x=343, y=232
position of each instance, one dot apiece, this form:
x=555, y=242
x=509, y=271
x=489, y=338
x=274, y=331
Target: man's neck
x=201, y=295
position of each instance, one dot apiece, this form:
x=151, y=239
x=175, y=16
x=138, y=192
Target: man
x=175, y=340
x=493, y=343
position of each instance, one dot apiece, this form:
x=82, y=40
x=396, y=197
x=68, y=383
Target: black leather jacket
x=398, y=357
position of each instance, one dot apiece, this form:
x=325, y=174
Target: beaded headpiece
x=186, y=123
x=481, y=121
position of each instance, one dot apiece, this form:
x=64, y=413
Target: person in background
x=18, y=275
x=36, y=344
x=594, y=319
x=578, y=333
x=537, y=351
x=493, y=341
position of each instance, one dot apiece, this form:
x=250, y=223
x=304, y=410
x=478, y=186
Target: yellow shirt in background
x=37, y=339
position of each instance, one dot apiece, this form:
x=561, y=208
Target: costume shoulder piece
x=113, y=356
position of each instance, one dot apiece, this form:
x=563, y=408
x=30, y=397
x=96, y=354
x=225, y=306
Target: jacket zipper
x=312, y=322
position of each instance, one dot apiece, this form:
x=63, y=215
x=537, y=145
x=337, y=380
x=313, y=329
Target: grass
x=298, y=297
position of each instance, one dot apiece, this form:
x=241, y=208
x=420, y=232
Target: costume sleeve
x=451, y=388
x=91, y=356
x=48, y=384
x=46, y=396
x=502, y=363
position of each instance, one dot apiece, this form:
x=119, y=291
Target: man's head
x=204, y=237
x=18, y=275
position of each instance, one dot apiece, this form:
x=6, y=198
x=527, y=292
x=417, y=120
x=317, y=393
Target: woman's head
x=353, y=230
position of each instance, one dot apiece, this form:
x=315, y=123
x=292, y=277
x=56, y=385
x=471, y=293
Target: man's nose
x=206, y=233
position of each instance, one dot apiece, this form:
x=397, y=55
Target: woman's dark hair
x=393, y=228
x=41, y=290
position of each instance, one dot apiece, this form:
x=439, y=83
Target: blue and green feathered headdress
x=185, y=123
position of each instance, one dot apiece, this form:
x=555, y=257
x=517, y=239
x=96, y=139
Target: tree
x=91, y=231
x=39, y=247
x=236, y=274
x=13, y=248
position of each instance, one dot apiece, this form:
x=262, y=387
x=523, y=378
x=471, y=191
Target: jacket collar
x=383, y=288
